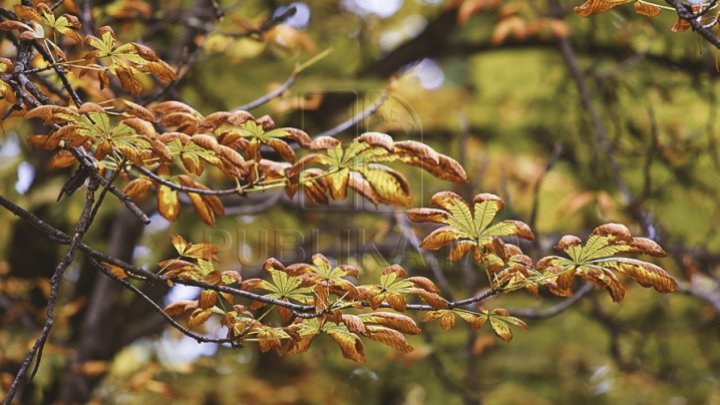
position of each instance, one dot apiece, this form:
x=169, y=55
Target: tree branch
x=37, y=348
x=686, y=13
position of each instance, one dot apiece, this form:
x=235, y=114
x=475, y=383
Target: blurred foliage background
x=485, y=81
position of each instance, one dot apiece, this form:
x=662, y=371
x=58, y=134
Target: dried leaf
x=400, y=322
x=350, y=344
x=591, y=7
x=390, y=337
x=647, y=9
x=135, y=188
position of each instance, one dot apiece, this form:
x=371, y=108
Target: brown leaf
x=447, y=320
x=647, y=246
x=208, y=299
x=285, y=151
x=116, y=271
x=424, y=283
x=128, y=81
x=395, y=268
x=440, y=237
x=350, y=344
x=354, y=323
x=568, y=241
x=323, y=143
x=565, y=280
x=61, y=160
x=161, y=70
x=199, y=317
x=390, y=337
x=10, y=25
x=427, y=215
x=616, y=232
x=681, y=25
x=417, y=150
x=204, y=251
x=384, y=141
x=181, y=307
x=460, y=249
x=607, y=280
x=396, y=301
x=135, y=188
x=434, y=300
x=646, y=274
x=591, y=7
x=400, y=322
x=512, y=25
x=202, y=209
x=647, y=9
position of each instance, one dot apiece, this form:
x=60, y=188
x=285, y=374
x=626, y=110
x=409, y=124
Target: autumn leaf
x=596, y=260
x=470, y=228
x=168, y=203
x=591, y=7
x=350, y=344
x=360, y=166
x=647, y=9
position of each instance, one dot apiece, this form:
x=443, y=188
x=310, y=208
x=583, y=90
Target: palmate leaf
x=395, y=285
x=128, y=60
x=596, y=260
x=360, y=166
x=471, y=228
x=500, y=320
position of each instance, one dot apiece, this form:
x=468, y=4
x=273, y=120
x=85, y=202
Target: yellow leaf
x=203, y=251
x=128, y=81
x=179, y=243
x=447, y=320
x=199, y=317
x=646, y=274
x=354, y=323
x=135, y=188
x=202, y=209
x=440, y=238
x=168, y=203
x=390, y=186
x=350, y=344
x=501, y=329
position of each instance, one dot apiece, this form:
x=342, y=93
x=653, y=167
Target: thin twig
x=376, y=104
x=557, y=308
x=409, y=235
x=157, y=308
x=37, y=348
x=60, y=237
x=271, y=95
x=685, y=12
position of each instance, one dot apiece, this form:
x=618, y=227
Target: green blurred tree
x=148, y=111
